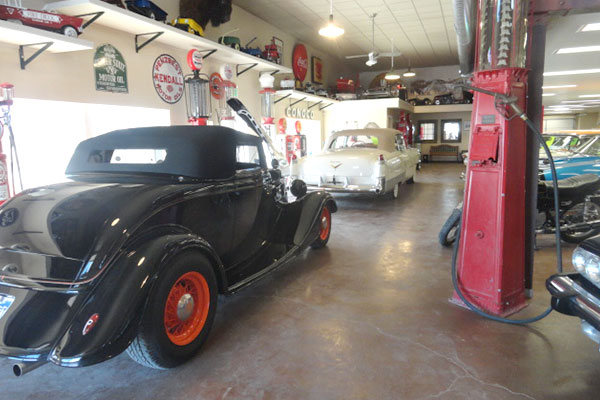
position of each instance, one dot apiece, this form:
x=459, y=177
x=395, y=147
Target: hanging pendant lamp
x=331, y=30
x=392, y=75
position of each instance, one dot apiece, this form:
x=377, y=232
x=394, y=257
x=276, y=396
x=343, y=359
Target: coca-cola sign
x=168, y=78
x=300, y=62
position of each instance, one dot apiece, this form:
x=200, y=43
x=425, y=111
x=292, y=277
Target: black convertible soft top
x=203, y=152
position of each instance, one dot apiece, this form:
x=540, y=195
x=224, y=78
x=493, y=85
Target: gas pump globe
x=7, y=94
x=228, y=90
x=197, y=91
x=267, y=82
x=503, y=36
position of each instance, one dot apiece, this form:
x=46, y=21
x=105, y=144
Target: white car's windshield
x=355, y=141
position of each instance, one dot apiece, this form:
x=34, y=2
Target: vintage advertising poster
x=110, y=70
x=317, y=71
x=168, y=79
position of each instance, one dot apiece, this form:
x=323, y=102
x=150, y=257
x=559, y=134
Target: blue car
x=585, y=161
x=147, y=9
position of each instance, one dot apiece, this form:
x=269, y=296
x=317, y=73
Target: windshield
x=592, y=148
x=355, y=141
x=564, y=142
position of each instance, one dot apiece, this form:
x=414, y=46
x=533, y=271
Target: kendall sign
x=300, y=62
x=168, y=79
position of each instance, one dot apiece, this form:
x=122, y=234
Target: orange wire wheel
x=325, y=223
x=186, y=308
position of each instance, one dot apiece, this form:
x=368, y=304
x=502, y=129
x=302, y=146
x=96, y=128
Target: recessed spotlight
x=591, y=27
x=558, y=86
x=583, y=49
x=573, y=72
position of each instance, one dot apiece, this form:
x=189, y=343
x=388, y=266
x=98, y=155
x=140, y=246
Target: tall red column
x=491, y=258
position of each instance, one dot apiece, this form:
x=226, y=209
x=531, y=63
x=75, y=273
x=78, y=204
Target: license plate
x=5, y=303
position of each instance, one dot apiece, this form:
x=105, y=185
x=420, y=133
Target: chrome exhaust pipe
x=22, y=368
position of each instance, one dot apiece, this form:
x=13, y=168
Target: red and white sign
x=195, y=60
x=300, y=62
x=168, y=78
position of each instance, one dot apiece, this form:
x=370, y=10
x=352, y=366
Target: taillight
x=381, y=157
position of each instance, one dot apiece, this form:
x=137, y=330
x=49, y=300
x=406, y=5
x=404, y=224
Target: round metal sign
x=195, y=60
x=300, y=62
x=168, y=78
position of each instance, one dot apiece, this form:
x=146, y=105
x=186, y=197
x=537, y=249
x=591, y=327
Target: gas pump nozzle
x=500, y=98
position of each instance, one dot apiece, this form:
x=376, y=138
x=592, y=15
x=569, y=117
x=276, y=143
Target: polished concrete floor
x=367, y=317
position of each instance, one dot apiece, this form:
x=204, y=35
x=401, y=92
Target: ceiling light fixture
x=331, y=30
x=590, y=95
x=392, y=75
x=548, y=94
x=409, y=73
x=591, y=27
x=573, y=72
x=583, y=49
x=558, y=86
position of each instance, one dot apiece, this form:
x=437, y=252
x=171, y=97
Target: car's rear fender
x=119, y=299
x=311, y=206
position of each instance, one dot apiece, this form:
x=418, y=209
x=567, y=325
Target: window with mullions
x=427, y=131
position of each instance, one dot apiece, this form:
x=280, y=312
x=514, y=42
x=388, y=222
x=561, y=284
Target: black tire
x=437, y=102
x=447, y=235
x=153, y=347
x=411, y=180
x=69, y=31
x=427, y=102
x=150, y=14
x=579, y=236
x=322, y=239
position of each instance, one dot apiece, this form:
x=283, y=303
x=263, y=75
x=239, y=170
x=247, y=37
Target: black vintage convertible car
x=131, y=253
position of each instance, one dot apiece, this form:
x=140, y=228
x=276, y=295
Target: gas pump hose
x=559, y=268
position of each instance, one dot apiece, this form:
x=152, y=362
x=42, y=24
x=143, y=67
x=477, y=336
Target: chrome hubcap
x=185, y=307
x=323, y=223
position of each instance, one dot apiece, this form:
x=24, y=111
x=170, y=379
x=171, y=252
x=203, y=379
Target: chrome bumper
x=344, y=187
x=570, y=297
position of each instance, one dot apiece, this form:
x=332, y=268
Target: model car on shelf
x=147, y=8
x=585, y=160
x=253, y=51
x=420, y=101
x=131, y=253
x=118, y=3
x=47, y=20
x=231, y=41
x=369, y=160
x=449, y=98
x=578, y=294
x=188, y=25
x=380, y=92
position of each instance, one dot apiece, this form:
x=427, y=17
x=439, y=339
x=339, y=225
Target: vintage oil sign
x=168, y=79
x=110, y=70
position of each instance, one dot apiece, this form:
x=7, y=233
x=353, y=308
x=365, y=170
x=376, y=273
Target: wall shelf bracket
x=325, y=106
x=96, y=15
x=248, y=67
x=315, y=104
x=297, y=101
x=153, y=36
x=281, y=99
x=207, y=53
x=26, y=61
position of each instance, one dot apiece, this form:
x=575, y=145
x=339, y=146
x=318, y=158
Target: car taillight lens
x=381, y=157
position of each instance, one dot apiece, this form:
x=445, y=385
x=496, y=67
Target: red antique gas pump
x=197, y=91
x=491, y=258
x=6, y=101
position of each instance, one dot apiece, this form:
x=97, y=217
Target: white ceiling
x=423, y=30
x=565, y=32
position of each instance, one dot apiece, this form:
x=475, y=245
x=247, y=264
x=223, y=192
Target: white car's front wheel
x=396, y=190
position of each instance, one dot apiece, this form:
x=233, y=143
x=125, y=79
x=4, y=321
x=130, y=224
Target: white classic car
x=360, y=161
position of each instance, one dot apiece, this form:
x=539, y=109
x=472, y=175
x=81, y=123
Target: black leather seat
x=574, y=186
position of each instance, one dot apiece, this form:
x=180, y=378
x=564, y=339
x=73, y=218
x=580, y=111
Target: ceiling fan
x=374, y=55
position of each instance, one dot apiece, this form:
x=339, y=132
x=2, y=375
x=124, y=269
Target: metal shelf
x=124, y=20
x=41, y=40
x=322, y=102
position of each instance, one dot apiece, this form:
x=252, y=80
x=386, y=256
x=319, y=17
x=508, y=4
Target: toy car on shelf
x=270, y=53
x=253, y=51
x=449, y=98
x=89, y=274
x=231, y=41
x=417, y=101
x=47, y=20
x=188, y=25
x=118, y=3
x=147, y=9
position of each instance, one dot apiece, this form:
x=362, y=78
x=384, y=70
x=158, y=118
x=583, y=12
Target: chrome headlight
x=587, y=264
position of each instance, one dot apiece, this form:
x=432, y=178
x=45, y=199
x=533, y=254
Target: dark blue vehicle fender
x=308, y=223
